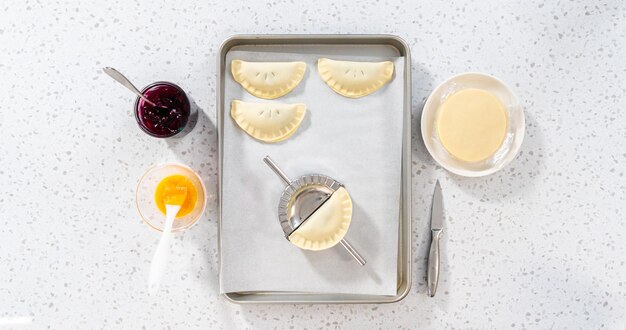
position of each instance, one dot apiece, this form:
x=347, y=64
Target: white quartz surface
x=541, y=244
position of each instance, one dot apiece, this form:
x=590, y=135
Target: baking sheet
x=356, y=141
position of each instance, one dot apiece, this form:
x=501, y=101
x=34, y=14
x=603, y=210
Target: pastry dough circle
x=268, y=80
x=472, y=124
x=354, y=79
x=268, y=122
x=326, y=226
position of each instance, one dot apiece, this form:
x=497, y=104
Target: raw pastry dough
x=354, y=79
x=326, y=226
x=268, y=122
x=268, y=80
x=472, y=124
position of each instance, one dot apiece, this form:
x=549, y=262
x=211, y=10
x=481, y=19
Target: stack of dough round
x=472, y=124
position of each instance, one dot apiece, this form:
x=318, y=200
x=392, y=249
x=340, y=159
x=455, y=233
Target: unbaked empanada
x=354, y=79
x=268, y=122
x=326, y=226
x=268, y=80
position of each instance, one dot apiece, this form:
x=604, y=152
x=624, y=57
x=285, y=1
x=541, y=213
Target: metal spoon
x=119, y=77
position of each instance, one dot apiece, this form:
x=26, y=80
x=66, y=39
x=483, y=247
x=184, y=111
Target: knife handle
x=433, y=262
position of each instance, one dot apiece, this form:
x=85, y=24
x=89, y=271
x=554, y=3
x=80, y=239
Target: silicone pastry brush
x=173, y=199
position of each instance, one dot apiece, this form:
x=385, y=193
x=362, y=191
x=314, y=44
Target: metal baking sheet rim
x=404, y=239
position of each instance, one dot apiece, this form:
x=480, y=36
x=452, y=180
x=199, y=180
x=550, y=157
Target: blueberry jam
x=171, y=113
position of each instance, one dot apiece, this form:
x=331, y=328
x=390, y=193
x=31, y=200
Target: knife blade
x=436, y=229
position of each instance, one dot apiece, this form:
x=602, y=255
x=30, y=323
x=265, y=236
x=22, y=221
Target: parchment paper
x=355, y=141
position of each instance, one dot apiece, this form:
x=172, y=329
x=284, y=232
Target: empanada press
x=315, y=212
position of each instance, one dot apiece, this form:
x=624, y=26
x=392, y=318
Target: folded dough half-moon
x=268, y=122
x=268, y=80
x=326, y=226
x=354, y=79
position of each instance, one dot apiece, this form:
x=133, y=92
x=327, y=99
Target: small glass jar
x=174, y=115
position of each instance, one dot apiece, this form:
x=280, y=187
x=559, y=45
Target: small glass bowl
x=146, y=204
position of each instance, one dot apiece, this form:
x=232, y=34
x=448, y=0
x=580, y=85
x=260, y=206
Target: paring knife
x=436, y=229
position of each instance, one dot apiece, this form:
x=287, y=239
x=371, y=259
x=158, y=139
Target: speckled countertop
x=540, y=244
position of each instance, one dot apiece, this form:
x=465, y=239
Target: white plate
x=515, y=130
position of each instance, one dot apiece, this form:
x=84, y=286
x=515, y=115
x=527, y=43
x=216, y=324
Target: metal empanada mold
x=314, y=211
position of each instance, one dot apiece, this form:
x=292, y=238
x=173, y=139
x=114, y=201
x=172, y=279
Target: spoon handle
x=119, y=77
